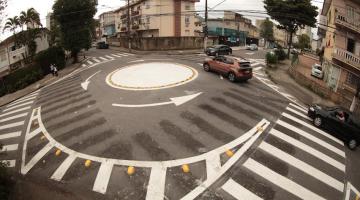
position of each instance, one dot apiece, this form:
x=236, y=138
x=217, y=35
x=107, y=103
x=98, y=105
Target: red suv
x=234, y=68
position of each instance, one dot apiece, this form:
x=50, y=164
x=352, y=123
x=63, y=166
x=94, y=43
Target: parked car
x=316, y=71
x=339, y=121
x=234, y=69
x=218, y=50
x=102, y=45
x=252, y=47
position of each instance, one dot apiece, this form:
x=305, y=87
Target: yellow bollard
x=42, y=137
x=185, y=168
x=259, y=129
x=131, y=170
x=58, y=152
x=87, y=163
x=229, y=153
x=357, y=197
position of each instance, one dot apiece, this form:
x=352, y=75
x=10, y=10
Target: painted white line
x=273, y=86
x=17, y=106
x=238, y=191
x=156, y=186
x=109, y=57
x=313, y=128
x=83, y=65
x=102, y=58
x=258, y=74
x=129, y=54
x=116, y=55
x=298, y=113
x=21, y=100
x=61, y=170
x=255, y=64
x=280, y=180
x=103, y=177
x=299, y=107
x=308, y=149
x=11, y=163
x=286, y=95
x=308, y=169
x=12, y=125
x=89, y=62
x=13, y=117
x=257, y=68
x=10, y=135
x=26, y=168
x=32, y=94
x=210, y=180
x=96, y=60
x=11, y=147
x=200, y=64
x=312, y=138
x=122, y=54
x=135, y=61
x=213, y=165
x=15, y=111
x=350, y=187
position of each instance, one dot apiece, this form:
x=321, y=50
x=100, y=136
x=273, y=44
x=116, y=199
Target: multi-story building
x=107, y=24
x=340, y=33
x=157, y=18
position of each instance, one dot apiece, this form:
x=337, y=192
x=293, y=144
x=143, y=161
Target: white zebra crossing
x=11, y=147
x=109, y=57
x=89, y=62
x=96, y=60
x=116, y=55
x=238, y=191
x=13, y=117
x=15, y=111
x=10, y=135
x=18, y=106
x=12, y=125
x=104, y=59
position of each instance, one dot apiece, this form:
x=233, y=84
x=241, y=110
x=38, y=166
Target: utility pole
x=206, y=25
x=128, y=24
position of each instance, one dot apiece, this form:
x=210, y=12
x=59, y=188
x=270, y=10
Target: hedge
x=52, y=55
x=271, y=58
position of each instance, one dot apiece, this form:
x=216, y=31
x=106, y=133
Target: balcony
x=135, y=27
x=347, y=57
x=17, y=52
x=123, y=16
x=135, y=13
x=341, y=20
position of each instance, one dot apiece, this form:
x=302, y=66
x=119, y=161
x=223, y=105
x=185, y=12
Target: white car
x=317, y=71
x=252, y=47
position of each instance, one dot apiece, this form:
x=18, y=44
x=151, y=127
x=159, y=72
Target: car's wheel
x=318, y=121
x=206, y=67
x=231, y=77
x=352, y=144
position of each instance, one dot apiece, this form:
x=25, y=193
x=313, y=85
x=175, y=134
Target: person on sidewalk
x=52, y=69
x=341, y=116
x=55, y=71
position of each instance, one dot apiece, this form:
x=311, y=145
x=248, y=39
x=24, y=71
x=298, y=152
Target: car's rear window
x=244, y=64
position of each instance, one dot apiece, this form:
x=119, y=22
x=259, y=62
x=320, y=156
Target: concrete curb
x=172, y=52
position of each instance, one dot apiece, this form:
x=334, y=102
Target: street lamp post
x=128, y=24
x=206, y=25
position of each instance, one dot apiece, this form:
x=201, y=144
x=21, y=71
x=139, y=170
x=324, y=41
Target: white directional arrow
x=85, y=84
x=176, y=100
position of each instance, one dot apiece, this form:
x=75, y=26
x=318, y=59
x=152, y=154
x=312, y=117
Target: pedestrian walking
x=55, y=71
x=52, y=69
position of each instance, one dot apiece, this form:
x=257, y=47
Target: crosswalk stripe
x=109, y=57
x=255, y=64
x=308, y=149
x=156, y=186
x=10, y=162
x=12, y=125
x=10, y=135
x=200, y=64
x=83, y=65
x=238, y=191
x=13, y=117
x=15, y=111
x=257, y=68
x=17, y=106
x=280, y=180
x=299, y=107
x=89, y=62
x=116, y=55
x=11, y=147
x=310, y=170
x=312, y=138
x=21, y=100
x=298, y=113
x=129, y=54
x=121, y=54
x=313, y=128
x=61, y=170
x=32, y=94
x=102, y=58
x=96, y=60
x=103, y=177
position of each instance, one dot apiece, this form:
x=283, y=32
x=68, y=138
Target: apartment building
x=107, y=24
x=157, y=18
x=339, y=31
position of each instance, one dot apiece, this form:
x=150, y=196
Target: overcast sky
x=45, y=6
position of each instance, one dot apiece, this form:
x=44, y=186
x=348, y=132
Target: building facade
x=107, y=24
x=340, y=35
x=157, y=18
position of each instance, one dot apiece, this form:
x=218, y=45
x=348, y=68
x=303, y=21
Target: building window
x=187, y=19
x=187, y=6
x=187, y=32
x=147, y=4
x=148, y=20
x=352, y=80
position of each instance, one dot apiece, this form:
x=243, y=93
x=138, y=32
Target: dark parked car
x=231, y=67
x=218, y=50
x=338, y=121
x=102, y=45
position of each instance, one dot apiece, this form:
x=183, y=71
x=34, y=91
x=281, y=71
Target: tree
x=267, y=30
x=12, y=24
x=3, y=5
x=75, y=18
x=30, y=16
x=304, y=42
x=292, y=15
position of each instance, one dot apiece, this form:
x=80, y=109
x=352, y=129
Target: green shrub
x=280, y=53
x=52, y=55
x=271, y=58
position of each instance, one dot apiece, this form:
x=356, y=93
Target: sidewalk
x=167, y=52
x=281, y=76
x=41, y=83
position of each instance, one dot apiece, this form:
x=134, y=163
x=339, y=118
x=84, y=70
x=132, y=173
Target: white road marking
x=312, y=128
x=238, y=191
x=10, y=135
x=11, y=147
x=350, y=187
x=259, y=74
x=96, y=60
x=89, y=62
x=21, y=100
x=13, y=117
x=299, y=107
x=17, y=106
x=213, y=165
x=121, y=54
x=250, y=54
x=103, y=177
x=308, y=149
x=102, y=58
x=26, y=168
x=116, y=55
x=200, y=64
x=12, y=125
x=255, y=64
x=156, y=186
x=129, y=54
x=312, y=138
x=308, y=169
x=257, y=68
x=280, y=180
x=10, y=162
x=61, y=170
x=83, y=65
x=135, y=61
x=109, y=57
x=298, y=113
x=86, y=83
x=15, y=111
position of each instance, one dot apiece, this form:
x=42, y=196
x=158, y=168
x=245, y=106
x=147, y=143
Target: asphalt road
x=238, y=140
